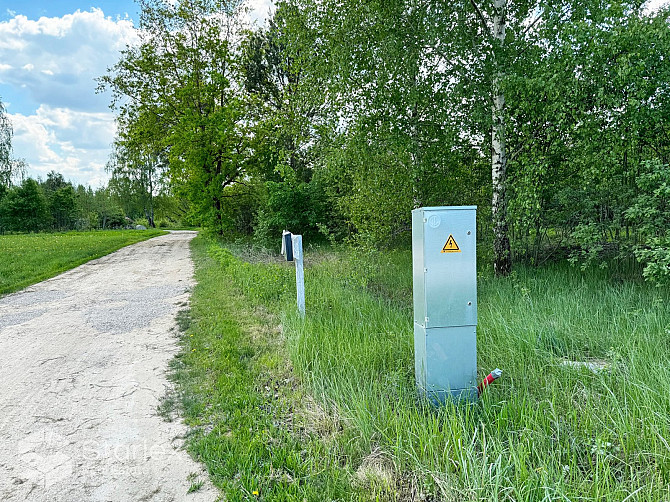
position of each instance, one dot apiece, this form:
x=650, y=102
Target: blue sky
x=57, y=8
x=51, y=52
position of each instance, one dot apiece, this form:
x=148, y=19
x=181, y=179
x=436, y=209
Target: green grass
x=236, y=390
x=545, y=431
x=29, y=258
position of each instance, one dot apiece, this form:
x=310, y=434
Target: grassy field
x=325, y=408
x=29, y=258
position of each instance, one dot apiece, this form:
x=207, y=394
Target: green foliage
x=180, y=98
x=357, y=112
x=137, y=165
x=585, y=122
x=651, y=214
x=63, y=208
x=111, y=217
x=299, y=208
x=61, y=200
x=282, y=84
x=24, y=208
x=172, y=208
x=239, y=206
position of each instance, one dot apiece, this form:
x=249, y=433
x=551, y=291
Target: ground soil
x=83, y=360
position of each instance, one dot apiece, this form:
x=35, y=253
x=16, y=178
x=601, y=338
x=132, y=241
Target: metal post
x=299, y=273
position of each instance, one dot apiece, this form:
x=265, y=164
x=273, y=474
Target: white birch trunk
x=501, y=245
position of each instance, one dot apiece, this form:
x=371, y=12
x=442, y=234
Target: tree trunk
x=502, y=263
x=151, y=198
x=218, y=217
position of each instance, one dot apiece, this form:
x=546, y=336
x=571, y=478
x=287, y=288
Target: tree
x=387, y=140
x=24, y=208
x=284, y=86
x=61, y=201
x=6, y=133
x=438, y=88
x=278, y=72
x=184, y=77
x=137, y=164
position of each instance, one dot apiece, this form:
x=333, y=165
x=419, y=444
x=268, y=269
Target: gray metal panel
x=459, y=395
x=445, y=359
x=451, y=277
x=451, y=358
x=420, y=355
x=445, y=302
x=417, y=267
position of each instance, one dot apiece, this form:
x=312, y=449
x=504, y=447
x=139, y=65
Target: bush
x=651, y=214
x=297, y=207
x=239, y=206
x=24, y=208
x=111, y=218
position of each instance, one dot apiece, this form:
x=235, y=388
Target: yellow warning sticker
x=451, y=246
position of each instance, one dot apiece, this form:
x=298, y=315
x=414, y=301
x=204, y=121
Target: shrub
x=298, y=207
x=651, y=214
x=24, y=208
x=112, y=217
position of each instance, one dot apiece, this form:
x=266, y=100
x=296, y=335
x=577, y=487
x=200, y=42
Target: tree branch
x=530, y=26
x=481, y=17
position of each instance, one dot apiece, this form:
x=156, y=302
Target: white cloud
x=653, y=5
x=74, y=143
x=56, y=61
x=68, y=53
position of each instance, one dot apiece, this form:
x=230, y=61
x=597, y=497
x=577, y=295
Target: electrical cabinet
x=444, y=262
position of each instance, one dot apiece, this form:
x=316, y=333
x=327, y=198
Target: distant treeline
x=56, y=205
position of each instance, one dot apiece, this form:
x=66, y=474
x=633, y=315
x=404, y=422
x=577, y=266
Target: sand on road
x=83, y=360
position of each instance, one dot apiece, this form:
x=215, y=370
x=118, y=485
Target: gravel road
x=83, y=359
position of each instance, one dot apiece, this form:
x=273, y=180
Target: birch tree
x=6, y=133
x=501, y=247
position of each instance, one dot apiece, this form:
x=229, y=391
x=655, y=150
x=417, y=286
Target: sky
x=51, y=52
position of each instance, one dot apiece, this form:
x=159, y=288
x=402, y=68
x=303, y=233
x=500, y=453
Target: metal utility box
x=444, y=257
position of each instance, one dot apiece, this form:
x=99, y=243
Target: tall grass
x=545, y=431
x=236, y=390
x=29, y=258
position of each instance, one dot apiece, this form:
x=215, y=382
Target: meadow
x=29, y=258
x=325, y=407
